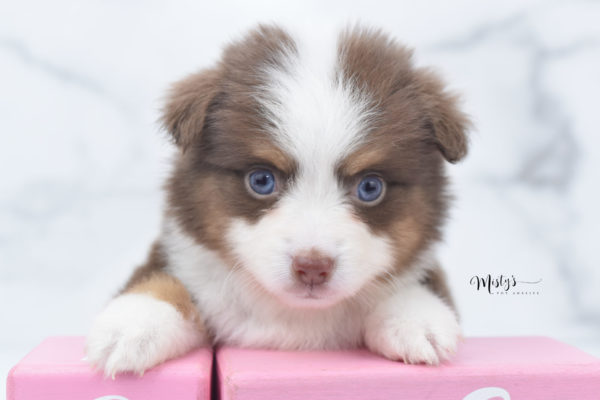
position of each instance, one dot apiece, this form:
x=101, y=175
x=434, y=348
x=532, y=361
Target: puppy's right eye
x=370, y=189
x=261, y=182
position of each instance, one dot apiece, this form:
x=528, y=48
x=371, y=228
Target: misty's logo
x=505, y=284
x=488, y=393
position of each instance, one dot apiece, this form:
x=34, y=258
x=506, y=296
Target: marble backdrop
x=82, y=157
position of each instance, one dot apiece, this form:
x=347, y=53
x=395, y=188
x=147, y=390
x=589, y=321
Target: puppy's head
x=315, y=169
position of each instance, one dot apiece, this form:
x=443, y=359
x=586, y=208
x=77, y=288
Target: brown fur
x=165, y=287
x=437, y=282
x=185, y=114
x=155, y=262
x=151, y=278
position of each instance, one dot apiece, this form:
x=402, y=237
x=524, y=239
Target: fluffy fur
x=320, y=117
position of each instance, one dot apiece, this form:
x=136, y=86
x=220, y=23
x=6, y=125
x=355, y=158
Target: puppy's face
x=314, y=171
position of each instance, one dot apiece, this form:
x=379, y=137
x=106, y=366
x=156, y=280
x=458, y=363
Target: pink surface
x=526, y=368
x=55, y=370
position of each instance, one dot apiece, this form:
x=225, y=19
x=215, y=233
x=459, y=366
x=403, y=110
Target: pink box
x=54, y=370
x=526, y=368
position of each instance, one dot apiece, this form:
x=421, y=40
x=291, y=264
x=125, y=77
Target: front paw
x=417, y=333
x=136, y=332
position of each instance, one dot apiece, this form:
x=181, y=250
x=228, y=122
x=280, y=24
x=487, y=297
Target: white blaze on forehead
x=316, y=116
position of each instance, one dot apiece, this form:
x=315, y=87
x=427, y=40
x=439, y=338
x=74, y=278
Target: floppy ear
x=187, y=104
x=447, y=123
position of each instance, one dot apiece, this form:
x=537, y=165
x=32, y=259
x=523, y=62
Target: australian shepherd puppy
x=306, y=198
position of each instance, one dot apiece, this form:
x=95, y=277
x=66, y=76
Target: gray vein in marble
x=23, y=53
x=554, y=164
x=478, y=34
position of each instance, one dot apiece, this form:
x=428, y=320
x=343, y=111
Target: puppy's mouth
x=312, y=292
x=310, y=295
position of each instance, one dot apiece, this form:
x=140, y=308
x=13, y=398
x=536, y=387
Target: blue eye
x=370, y=188
x=262, y=182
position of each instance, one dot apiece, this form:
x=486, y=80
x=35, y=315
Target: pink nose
x=312, y=267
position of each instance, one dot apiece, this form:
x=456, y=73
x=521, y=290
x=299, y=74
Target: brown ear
x=449, y=125
x=185, y=111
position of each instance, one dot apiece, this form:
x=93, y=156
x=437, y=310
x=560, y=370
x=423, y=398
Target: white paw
x=422, y=329
x=136, y=332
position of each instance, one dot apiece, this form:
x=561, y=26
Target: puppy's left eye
x=261, y=182
x=370, y=189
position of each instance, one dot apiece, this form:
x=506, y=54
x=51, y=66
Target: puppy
x=306, y=198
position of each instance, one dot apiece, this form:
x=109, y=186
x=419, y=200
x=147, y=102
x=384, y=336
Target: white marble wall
x=82, y=159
